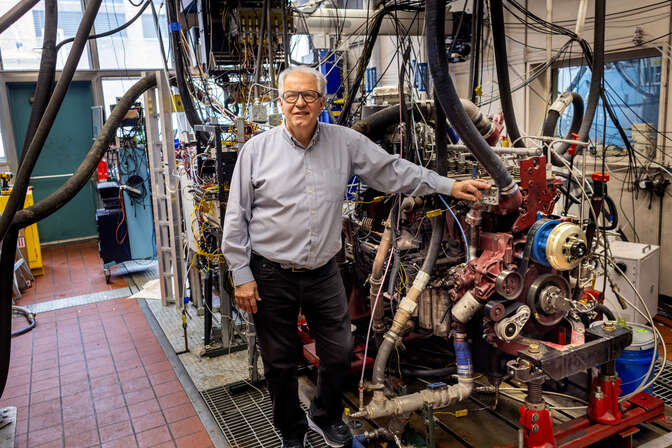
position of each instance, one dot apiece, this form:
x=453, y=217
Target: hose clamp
x=560, y=104
x=509, y=190
x=408, y=305
x=421, y=280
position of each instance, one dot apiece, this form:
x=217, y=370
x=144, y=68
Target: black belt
x=287, y=266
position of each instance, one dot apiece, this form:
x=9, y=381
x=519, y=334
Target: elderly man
x=282, y=231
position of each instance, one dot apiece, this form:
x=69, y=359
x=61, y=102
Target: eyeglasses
x=292, y=96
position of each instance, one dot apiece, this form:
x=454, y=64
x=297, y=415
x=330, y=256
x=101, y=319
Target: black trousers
x=321, y=297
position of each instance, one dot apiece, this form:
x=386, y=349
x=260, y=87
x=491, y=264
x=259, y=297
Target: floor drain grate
x=662, y=388
x=246, y=418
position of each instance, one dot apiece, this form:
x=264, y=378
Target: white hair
x=319, y=77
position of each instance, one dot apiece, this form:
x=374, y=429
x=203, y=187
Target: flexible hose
x=364, y=59
x=16, y=13
x=45, y=77
x=375, y=125
x=502, y=64
x=74, y=184
x=30, y=317
x=178, y=61
x=557, y=109
x=605, y=310
x=441, y=137
x=597, y=74
x=9, y=243
x=110, y=32
x=613, y=214
x=18, y=194
x=452, y=106
x=405, y=118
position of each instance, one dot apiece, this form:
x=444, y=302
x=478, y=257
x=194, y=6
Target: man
x=281, y=233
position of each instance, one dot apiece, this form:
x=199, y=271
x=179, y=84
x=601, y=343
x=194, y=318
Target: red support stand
x=603, y=406
x=537, y=427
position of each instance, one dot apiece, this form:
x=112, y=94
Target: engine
x=500, y=286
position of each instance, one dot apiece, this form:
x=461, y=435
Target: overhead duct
x=354, y=24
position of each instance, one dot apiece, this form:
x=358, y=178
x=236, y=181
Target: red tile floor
x=70, y=270
x=95, y=375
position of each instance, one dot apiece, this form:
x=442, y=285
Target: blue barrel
x=636, y=359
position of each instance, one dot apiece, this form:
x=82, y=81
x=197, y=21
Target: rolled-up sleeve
x=236, y=245
x=392, y=174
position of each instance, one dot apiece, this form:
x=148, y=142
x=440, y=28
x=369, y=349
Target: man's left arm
x=392, y=174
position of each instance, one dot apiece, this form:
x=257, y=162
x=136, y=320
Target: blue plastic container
x=636, y=359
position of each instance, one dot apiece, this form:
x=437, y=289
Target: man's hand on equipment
x=247, y=297
x=469, y=189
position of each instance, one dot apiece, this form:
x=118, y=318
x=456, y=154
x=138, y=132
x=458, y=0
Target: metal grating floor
x=246, y=418
x=662, y=388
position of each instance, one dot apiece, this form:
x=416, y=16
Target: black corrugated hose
x=18, y=194
x=452, y=106
x=110, y=32
x=50, y=204
x=15, y=13
x=597, y=64
x=551, y=121
x=46, y=75
x=554, y=113
x=45, y=81
x=178, y=60
x=441, y=136
x=364, y=59
x=502, y=64
x=74, y=184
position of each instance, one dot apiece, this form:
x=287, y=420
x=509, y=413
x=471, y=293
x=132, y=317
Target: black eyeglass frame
x=301, y=93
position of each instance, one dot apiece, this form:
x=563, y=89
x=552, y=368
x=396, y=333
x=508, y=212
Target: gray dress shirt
x=286, y=201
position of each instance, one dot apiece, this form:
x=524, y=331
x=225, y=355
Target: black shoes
x=335, y=434
x=295, y=443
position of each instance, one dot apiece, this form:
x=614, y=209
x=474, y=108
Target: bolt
x=534, y=348
x=608, y=326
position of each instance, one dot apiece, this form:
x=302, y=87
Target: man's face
x=301, y=115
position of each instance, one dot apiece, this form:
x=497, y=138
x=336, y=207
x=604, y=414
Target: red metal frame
x=582, y=431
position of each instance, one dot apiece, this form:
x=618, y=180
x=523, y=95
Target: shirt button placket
x=310, y=190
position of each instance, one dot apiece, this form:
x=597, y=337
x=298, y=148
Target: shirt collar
x=296, y=143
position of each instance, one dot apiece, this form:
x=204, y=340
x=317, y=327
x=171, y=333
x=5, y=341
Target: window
x=20, y=44
x=633, y=90
x=137, y=47
x=349, y=4
x=149, y=27
x=68, y=22
x=108, y=21
x=299, y=48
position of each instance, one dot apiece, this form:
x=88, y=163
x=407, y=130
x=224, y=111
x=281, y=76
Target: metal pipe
x=437, y=398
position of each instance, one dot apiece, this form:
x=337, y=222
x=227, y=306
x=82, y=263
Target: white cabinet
x=641, y=263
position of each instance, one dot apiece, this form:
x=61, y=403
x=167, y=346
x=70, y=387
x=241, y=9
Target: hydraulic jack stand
x=603, y=406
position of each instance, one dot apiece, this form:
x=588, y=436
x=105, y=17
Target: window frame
x=93, y=74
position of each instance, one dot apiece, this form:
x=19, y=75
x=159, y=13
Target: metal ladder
x=165, y=192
